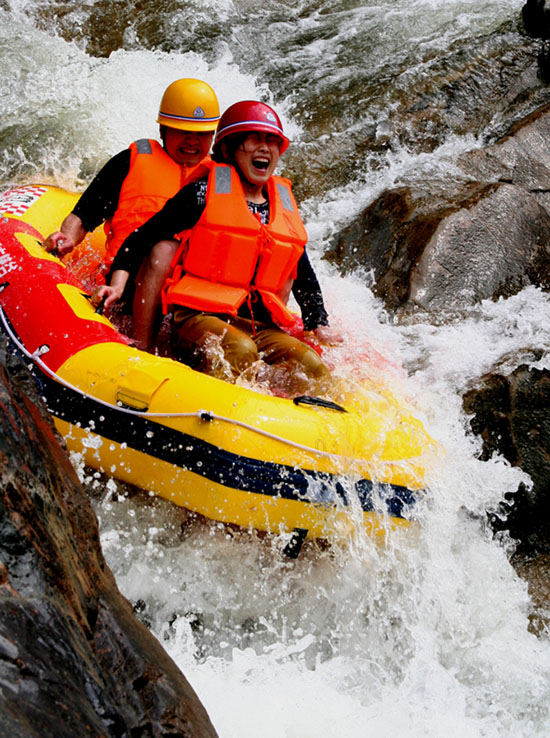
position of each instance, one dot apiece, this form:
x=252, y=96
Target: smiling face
x=187, y=147
x=257, y=156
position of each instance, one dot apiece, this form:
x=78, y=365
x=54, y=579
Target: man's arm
x=97, y=204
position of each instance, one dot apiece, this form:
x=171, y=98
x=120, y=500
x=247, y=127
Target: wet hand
x=106, y=294
x=59, y=243
x=328, y=335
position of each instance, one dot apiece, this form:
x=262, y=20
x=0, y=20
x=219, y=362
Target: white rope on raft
x=204, y=415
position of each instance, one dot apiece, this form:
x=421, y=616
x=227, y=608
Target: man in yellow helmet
x=136, y=183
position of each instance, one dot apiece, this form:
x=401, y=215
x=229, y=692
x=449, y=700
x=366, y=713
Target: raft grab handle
x=100, y=307
x=308, y=400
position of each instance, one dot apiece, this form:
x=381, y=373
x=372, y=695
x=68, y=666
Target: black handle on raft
x=99, y=308
x=307, y=400
x=53, y=252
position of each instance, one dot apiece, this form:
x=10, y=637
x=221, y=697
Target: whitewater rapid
x=428, y=636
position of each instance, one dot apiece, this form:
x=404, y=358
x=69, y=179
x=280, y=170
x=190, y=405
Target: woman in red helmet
x=242, y=251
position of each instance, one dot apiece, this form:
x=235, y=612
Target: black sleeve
x=307, y=291
x=100, y=200
x=179, y=213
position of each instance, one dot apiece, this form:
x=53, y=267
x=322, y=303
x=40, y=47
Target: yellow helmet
x=190, y=105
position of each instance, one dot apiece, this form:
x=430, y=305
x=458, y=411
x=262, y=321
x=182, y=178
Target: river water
x=430, y=635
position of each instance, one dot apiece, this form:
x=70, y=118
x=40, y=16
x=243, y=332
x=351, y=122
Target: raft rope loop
x=203, y=415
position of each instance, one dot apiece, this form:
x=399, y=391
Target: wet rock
x=543, y=60
x=536, y=18
x=450, y=244
x=535, y=570
x=74, y=660
x=478, y=86
x=511, y=413
x=475, y=86
x=521, y=157
x=536, y=21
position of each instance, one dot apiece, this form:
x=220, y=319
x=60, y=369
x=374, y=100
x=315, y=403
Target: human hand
x=59, y=243
x=106, y=295
x=328, y=335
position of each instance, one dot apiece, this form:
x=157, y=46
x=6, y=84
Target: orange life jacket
x=154, y=178
x=229, y=253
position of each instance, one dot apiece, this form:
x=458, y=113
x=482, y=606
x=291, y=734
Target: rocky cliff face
x=74, y=660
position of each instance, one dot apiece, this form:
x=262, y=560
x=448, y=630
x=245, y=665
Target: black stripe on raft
x=218, y=464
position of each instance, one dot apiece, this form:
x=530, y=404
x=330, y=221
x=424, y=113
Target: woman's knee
x=195, y=335
x=239, y=350
x=279, y=347
x=312, y=363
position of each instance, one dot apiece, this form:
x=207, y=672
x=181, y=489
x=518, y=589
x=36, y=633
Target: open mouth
x=262, y=164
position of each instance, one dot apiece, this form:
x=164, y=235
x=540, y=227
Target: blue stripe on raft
x=217, y=464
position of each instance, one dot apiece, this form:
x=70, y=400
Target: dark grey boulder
x=511, y=413
x=485, y=234
x=74, y=660
x=496, y=244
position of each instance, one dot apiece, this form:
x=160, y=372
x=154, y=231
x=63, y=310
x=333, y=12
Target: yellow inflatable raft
x=225, y=451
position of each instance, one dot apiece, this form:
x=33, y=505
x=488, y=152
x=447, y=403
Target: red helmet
x=250, y=115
